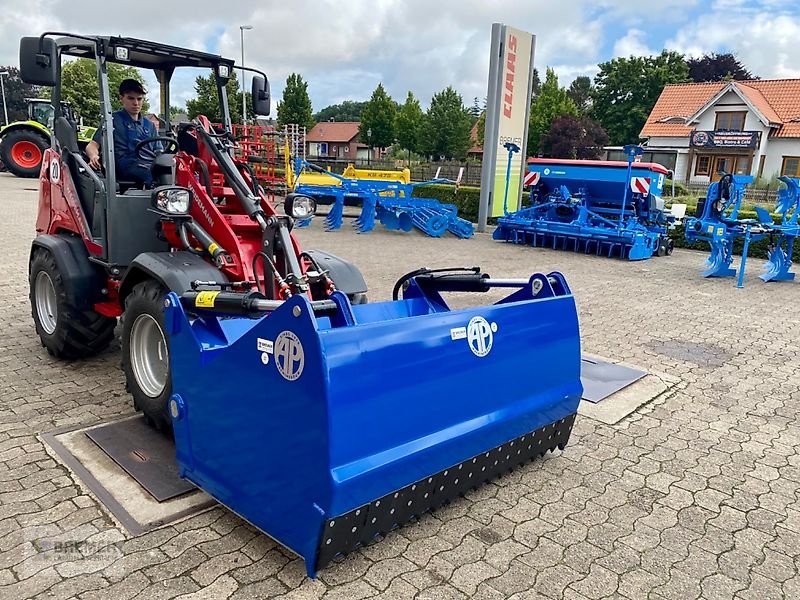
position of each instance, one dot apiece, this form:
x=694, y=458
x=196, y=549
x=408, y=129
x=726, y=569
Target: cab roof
x=139, y=53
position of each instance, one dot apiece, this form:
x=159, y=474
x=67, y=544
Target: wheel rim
x=26, y=154
x=149, y=355
x=46, y=303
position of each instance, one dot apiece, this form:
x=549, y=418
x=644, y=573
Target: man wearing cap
x=130, y=128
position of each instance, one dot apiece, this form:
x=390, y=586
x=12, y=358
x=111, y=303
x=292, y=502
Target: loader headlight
x=172, y=200
x=299, y=207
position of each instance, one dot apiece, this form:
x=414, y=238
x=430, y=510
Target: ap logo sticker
x=480, y=336
x=289, y=356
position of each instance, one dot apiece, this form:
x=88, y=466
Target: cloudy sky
x=343, y=50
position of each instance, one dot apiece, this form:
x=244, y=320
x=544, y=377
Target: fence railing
x=419, y=172
x=766, y=196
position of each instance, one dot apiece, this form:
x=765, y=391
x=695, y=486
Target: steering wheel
x=146, y=153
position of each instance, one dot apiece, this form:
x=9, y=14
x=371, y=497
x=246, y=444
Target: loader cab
x=117, y=211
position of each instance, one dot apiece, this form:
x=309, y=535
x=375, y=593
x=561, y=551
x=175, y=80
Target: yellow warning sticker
x=212, y=248
x=205, y=299
x=720, y=231
x=710, y=229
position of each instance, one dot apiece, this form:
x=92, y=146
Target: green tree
x=16, y=91
x=475, y=110
x=552, y=102
x=377, y=120
x=580, y=92
x=446, y=127
x=407, y=124
x=482, y=128
x=717, y=67
x=348, y=110
x=536, y=87
x=206, y=100
x=295, y=106
x=571, y=137
x=79, y=87
x=626, y=89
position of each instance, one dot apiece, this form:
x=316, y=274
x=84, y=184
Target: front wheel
x=145, y=353
x=64, y=329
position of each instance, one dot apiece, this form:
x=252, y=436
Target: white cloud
x=633, y=44
x=343, y=52
x=764, y=42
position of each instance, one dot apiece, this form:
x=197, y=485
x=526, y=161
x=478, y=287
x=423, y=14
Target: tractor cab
x=115, y=215
x=41, y=111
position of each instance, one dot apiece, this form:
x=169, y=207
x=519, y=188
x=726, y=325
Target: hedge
x=466, y=198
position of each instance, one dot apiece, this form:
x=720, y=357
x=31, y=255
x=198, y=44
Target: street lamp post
x=369, y=143
x=242, y=29
x=3, y=91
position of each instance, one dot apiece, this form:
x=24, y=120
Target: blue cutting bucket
x=326, y=432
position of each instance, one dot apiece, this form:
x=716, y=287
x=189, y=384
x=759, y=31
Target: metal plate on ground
x=146, y=455
x=131, y=506
x=601, y=379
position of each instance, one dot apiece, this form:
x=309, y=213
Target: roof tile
x=777, y=99
x=333, y=131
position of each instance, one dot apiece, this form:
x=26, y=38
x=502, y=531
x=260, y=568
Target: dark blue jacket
x=128, y=133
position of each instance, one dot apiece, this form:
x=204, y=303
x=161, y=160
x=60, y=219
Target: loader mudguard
x=327, y=430
x=82, y=280
x=345, y=275
x=174, y=270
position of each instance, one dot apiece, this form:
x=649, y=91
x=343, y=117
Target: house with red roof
x=337, y=140
x=742, y=127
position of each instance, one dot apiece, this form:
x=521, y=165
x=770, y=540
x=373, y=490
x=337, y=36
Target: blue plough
x=719, y=224
x=392, y=203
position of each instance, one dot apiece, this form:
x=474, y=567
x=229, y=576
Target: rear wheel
x=145, y=353
x=22, y=151
x=65, y=330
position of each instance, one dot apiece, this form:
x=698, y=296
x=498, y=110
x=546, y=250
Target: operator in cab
x=130, y=128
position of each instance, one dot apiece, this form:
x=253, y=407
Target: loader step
x=370, y=522
x=145, y=454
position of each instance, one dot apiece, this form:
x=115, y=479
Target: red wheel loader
x=323, y=420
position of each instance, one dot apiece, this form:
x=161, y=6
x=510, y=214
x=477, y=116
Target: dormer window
x=730, y=121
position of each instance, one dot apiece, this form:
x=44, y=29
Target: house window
x=346, y=149
x=730, y=121
x=323, y=149
x=791, y=166
x=703, y=165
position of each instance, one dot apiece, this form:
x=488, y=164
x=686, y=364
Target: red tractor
x=107, y=248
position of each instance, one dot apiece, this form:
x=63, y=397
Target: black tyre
x=66, y=331
x=670, y=247
x=22, y=151
x=145, y=353
x=357, y=298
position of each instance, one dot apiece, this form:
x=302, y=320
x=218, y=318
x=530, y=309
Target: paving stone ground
x=693, y=495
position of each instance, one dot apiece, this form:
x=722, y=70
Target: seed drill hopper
x=609, y=208
x=357, y=418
